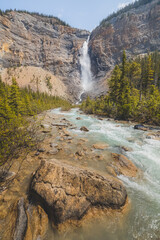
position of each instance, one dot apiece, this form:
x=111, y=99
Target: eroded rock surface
x=68, y=192
x=21, y=224
x=137, y=31
x=100, y=146
x=44, y=43
x=122, y=165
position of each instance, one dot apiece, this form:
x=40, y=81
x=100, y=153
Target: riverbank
x=58, y=142
x=89, y=151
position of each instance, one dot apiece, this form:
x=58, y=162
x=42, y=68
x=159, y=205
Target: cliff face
x=52, y=49
x=42, y=42
x=137, y=31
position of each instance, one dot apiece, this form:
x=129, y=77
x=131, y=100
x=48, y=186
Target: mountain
x=37, y=49
x=135, y=29
x=34, y=48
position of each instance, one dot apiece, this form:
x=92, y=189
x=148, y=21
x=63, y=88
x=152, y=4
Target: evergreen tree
x=15, y=101
x=114, y=85
x=134, y=91
x=149, y=79
x=124, y=58
x=6, y=114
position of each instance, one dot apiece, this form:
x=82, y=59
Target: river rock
x=6, y=175
x=111, y=170
x=153, y=135
x=123, y=165
x=78, y=118
x=37, y=225
x=83, y=139
x=66, y=133
x=45, y=126
x=53, y=145
x=101, y=119
x=141, y=127
x=69, y=191
x=54, y=151
x=79, y=153
x=83, y=128
x=21, y=224
x=41, y=150
x=127, y=149
x=100, y=146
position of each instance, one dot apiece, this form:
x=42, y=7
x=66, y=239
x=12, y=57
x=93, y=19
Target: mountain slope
x=42, y=42
x=136, y=30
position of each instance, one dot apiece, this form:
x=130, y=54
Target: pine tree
x=114, y=84
x=134, y=73
x=124, y=58
x=147, y=75
x=149, y=72
x=15, y=101
x=6, y=114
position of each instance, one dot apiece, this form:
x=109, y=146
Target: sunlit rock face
x=68, y=192
x=33, y=40
x=43, y=42
x=137, y=31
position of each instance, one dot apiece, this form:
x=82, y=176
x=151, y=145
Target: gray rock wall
x=137, y=31
x=43, y=42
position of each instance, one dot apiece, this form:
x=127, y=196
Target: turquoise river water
x=143, y=220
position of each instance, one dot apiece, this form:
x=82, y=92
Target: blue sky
x=84, y=14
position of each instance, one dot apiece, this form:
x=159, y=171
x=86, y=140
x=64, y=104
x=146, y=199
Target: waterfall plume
x=86, y=75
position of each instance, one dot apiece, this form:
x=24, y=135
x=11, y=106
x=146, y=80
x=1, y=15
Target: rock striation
x=69, y=191
x=51, y=50
x=42, y=42
x=136, y=30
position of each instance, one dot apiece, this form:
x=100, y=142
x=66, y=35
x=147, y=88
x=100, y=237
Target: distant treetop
x=136, y=4
x=59, y=21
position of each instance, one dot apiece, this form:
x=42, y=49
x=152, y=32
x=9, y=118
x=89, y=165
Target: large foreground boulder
x=68, y=192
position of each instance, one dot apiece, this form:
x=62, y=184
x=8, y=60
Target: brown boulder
x=123, y=165
x=154, y=135
x=100, y=146
x=68, y=192
x=83, y=128
x=66, y=133
x=126, y=149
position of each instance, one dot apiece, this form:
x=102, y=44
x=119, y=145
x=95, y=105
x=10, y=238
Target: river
x=143, y=220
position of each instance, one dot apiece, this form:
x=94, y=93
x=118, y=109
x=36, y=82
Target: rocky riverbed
x=67, y=181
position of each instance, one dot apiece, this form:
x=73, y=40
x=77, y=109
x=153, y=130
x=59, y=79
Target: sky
x=83, y=14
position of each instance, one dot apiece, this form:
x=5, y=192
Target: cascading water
x=143, y=219
x=86, y=75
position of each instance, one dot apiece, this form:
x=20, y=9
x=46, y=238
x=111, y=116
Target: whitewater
x=143, y=220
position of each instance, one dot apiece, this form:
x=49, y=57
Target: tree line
x=16, y=105
x=59, y=21
x=125, y=9
x=134, y=91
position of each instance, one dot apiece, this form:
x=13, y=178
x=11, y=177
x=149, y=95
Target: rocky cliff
x=136, y=30
x=50, y=49
x=44, y=43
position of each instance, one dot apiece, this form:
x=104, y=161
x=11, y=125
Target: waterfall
x=86, y=75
